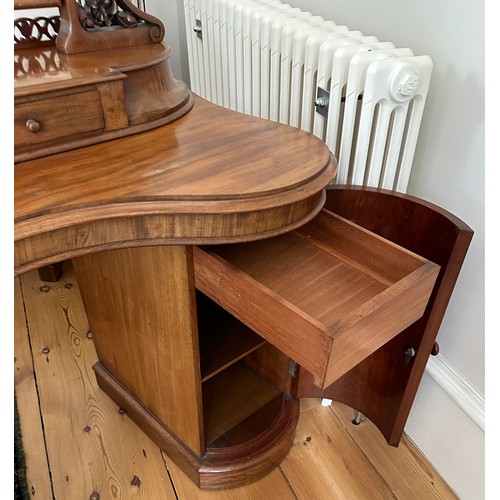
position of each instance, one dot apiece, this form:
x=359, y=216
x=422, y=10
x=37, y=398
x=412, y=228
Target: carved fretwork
x=37, y=30
x=105, y=13
x=42, y=62
x=88, y=25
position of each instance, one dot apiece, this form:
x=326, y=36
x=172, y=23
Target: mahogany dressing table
x=218, y=288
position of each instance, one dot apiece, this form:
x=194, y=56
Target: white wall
x=449, y=162
x=171, y=13
x=448, y=170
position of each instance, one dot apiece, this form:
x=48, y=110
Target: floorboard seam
x=42, y=423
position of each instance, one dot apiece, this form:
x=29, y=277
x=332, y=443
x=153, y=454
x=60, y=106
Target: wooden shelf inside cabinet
x=327, y=294
x=223, y=339
x=235, y=403
x=239, y=403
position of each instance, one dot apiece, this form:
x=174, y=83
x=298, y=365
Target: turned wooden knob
x=435, y=349
x=32, y=126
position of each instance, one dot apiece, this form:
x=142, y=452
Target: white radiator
x=364, y=98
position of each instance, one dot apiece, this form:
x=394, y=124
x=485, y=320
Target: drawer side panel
x=299, y=336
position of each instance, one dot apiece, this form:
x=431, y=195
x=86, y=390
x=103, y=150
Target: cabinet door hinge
x=292, y=368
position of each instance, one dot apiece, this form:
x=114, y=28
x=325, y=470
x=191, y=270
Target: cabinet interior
x=244, y=378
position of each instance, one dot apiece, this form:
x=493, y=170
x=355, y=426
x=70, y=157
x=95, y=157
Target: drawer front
x=286, y=327
x=57, y=118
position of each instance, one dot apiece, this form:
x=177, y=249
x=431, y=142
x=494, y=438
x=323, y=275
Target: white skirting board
x=470, y=400
x=447, y=423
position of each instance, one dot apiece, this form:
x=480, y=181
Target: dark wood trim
x=52, y=272
x=151, y=425
x=219, y=467
x=382, y=386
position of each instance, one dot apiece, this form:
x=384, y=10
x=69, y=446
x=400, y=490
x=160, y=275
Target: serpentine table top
x=211, y=176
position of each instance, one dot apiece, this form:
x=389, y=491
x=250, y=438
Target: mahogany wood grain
x=232, y=396
x=35, y=4
x=66, y=72
x=130, y=202
x=382, y=386
x=404, y=469
x=254, y=425
x=114, y=105
x=58, y=122
x=274, y=366
x=238, y=465
x=141, y=308
x=188, y=182
x=313, y=293
x=140, y=304
x=74, y=38
x=90, y=98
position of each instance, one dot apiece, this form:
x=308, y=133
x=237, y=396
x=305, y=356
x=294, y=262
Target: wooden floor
x=79, y=446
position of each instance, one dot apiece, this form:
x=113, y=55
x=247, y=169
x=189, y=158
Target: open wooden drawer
x=327, y=295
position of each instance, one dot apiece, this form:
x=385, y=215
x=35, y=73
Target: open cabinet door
x=384, y=385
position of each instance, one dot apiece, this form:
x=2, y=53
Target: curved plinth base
x=253, y=459
x=221, y=467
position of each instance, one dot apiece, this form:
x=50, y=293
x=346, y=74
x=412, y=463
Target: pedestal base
x=222, y=467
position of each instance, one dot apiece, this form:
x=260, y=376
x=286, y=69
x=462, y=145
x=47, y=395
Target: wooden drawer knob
x=32, y=126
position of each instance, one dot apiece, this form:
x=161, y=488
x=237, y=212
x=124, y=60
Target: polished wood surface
x=141, y=307
x=35, y=4
x=114, y=458
x=214, y=175
x=327, y=294
x=126, y=211
x=143, y=316
x=106, y=26
x=383, y=386
x=63, y=102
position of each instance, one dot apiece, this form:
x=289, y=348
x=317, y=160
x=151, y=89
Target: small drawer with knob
x=56, y=119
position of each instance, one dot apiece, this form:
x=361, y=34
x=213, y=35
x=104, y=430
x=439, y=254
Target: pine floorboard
x=79, y=446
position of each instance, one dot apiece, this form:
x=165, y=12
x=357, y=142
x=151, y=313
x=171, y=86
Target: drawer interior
x=327, y=294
